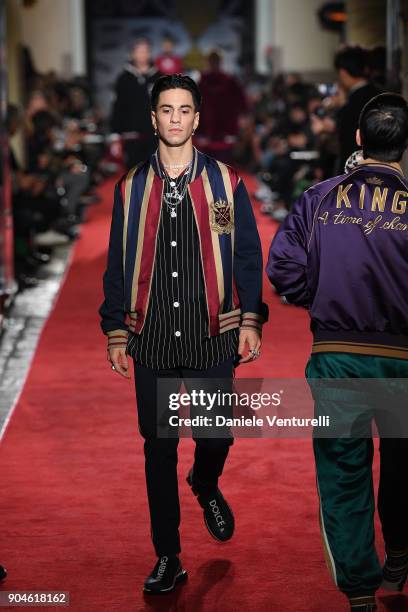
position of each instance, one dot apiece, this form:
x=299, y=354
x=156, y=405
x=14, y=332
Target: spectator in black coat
x=131, y=108
x=351, y=63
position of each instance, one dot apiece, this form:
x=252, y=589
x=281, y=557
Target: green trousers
x=344, y=477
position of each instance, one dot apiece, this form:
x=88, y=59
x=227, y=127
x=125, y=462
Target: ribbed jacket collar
x=381, y=167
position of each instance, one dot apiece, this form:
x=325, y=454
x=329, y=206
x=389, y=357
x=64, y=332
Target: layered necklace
x=175, y=188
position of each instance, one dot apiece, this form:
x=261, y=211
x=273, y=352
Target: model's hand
x=118, y=358
x=249, y=340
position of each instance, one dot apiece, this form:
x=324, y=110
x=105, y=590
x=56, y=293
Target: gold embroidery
x=342, y=195
x=399, y=206
x=379, y=199
x=374, y=180
x=324, y=217
x=362, y=194
x=340, y=217
x=221, y=217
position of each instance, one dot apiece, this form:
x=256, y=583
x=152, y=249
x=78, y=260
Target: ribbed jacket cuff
x=252, y=320
x=117, y=338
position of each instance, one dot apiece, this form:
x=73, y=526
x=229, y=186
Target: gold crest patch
x=374, y=180
x=221, y=216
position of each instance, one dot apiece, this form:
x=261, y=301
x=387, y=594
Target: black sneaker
x=218, y=516
x=395, y=571
x=3, y=572
x=363, y=604
x=166, y=574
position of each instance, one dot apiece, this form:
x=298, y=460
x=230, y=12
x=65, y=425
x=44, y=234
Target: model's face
x=141, y=54
x=167, y=47
x=38, y=102
x=175, y=118
x=298, y=115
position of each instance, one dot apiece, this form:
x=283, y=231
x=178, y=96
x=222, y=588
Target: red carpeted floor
x=73, y=506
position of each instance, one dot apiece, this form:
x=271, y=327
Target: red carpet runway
x=73, y=506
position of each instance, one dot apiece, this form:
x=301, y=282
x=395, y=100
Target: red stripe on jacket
x=210, y=273
x=234, y=177
x=149, y=242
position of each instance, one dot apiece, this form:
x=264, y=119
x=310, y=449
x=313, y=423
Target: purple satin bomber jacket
x=343, y=254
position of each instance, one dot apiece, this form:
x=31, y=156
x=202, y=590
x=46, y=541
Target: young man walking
x=183, y=298
x=342, y=254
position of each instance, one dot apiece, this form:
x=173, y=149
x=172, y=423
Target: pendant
x=172, y=184
x=172, y=198
x=173, y=213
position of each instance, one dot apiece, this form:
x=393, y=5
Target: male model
x=342, y=253
x=185, y=267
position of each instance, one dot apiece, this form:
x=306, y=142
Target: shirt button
x=177, y=333
x=176, y=304
x=174, y=274
x=173, y=243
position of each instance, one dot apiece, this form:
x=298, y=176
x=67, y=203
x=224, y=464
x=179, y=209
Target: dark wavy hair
x=384, y=127
x=353, y=59
x=175, y=81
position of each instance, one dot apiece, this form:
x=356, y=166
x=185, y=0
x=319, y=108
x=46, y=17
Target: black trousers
x=161, y=452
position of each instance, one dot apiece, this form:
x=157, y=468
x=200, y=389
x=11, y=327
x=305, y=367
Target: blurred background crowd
x=64, y=144
x=289, y=128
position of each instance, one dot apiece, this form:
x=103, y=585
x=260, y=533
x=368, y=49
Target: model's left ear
x=196, y=121
x=358, y=138
x=154, y=122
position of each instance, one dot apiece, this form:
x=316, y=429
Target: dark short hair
x=353, y=59
x=175, y=81
x=169, y=38
x=384, y=127
x=141, y=40
x=43, y=121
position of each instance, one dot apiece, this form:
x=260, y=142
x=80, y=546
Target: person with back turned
x=342, y=254
x=183, y=298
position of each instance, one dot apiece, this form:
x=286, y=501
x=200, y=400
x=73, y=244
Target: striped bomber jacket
x=230, y=249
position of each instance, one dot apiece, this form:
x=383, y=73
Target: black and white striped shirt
x=174, y=333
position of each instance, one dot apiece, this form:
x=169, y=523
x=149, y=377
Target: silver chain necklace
x=174, y=191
